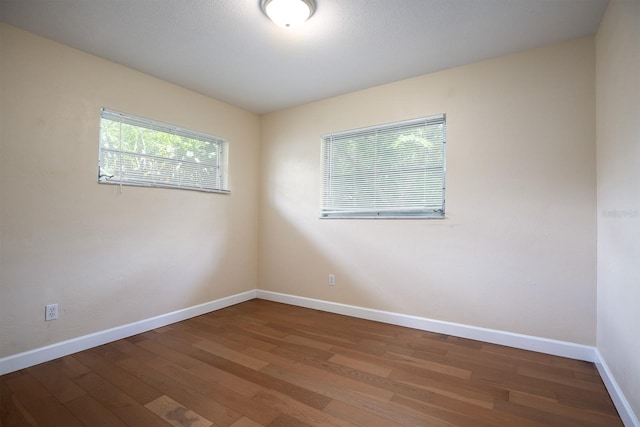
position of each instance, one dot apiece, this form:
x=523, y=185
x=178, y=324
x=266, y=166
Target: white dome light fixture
x=288, y=13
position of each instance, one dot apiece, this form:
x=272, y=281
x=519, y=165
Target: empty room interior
x=411, y=212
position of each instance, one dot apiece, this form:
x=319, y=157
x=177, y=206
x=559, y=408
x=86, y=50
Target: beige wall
x=618, y=142
x=517, y=249
x=516, y=252
x=106, y=258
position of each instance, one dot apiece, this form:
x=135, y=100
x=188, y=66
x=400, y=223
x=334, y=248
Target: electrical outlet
x=51, y=312
x=332, y=279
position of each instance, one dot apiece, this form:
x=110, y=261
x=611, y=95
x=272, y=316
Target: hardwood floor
x=261, y=363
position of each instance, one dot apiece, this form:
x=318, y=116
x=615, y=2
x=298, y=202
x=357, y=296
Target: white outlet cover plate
x=51, y=312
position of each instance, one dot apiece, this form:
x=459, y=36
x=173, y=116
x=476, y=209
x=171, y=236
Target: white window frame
x=364, y=191
x=216, y=180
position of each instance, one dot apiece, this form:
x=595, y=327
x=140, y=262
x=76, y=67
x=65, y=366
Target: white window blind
x=144, y=152
x=389, y=171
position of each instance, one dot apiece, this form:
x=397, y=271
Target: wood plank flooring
x=261, y=363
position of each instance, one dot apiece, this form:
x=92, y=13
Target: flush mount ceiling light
x=288, y=13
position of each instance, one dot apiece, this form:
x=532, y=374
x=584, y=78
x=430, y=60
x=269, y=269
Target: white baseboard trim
x=526, y=342
x=510, y=339
x=622, y=404
x=64, y=348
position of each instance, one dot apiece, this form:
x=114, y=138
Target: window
x=143, y=152
x=390, y=171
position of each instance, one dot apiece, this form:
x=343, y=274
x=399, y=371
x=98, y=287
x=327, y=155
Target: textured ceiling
x=229, y=50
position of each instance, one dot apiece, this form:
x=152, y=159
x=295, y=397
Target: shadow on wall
x=486, y=272
x=380, y=264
